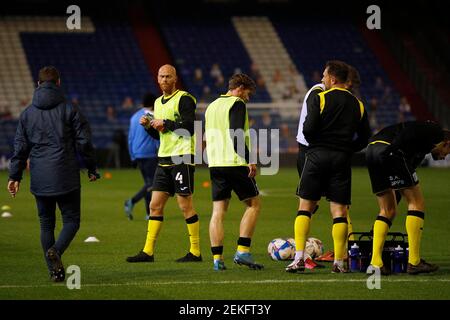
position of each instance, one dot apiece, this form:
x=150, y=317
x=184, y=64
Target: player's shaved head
x=167, y=79
x=168, y=68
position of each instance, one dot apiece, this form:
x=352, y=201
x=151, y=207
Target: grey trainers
x=422, y=267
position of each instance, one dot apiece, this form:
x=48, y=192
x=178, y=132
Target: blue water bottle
x=355, y=258
x=405, y=260
x=398, y=259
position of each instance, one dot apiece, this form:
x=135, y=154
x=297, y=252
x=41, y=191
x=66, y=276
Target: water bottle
x=398, y=259
x=405, y=260
x=354, y=258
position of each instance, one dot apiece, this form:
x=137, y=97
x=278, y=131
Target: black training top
x=51, y=132
x=414, y=138
x=336, y=120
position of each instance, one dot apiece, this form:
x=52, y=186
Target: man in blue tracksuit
x=51, y=132
x=143, y=153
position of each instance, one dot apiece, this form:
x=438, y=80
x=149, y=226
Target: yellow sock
x=193, y=226
x=301, y=229
x=217, y=252
x=350, y=227
x=380, y=230
x=414, y=227
x=218, y=257
x=339, y=233
x=241, y=248
x=154, y=226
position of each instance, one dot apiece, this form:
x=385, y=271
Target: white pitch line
x=170, y=283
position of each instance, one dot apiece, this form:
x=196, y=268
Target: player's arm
x=312, y=120
x=22, y=148
x=237, y=116
x=363, y=133
x=147, y=124
x=83, y=142
x=186, y=108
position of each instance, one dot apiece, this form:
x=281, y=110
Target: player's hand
x=13, y=187
x=93, y=176
x=251, y=170
x=158, y=124
x=144, y=121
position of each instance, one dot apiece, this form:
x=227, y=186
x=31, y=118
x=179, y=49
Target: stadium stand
x=310, y=43
x=268, y=52
x=201, y=44
x=99, y=69
x=105, y=64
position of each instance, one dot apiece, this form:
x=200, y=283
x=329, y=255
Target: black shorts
x=326, y=173
x=301, y=156
x=227, y=179
x=177, y=179
x=389, y=171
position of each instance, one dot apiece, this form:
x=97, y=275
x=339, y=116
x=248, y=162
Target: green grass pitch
x=106, y=275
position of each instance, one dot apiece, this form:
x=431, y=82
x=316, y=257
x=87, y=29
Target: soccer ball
x=314, y=247
x=281, y=249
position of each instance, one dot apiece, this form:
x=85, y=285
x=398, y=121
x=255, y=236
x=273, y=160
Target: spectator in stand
x=266, y=121
x=115, y=152
x=220, y=84
x=277, y=82
x=277, y=76
x=387, y=98
x=110, y=113
x=198, y=76
x=23, y=104
x=287, y=142
x=5, y=113
x=404, y=110
x=316, y=77
x=290, y=92
x=256, y=74
x=373, y=106
x=207, y=96
x=254, y=70
x=379, y=85
x=127, y=104
x=215, y=72
x=295, y=78
x=75, y=101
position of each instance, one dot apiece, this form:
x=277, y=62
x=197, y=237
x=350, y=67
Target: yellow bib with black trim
x=219, y=144
x=172, y=144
